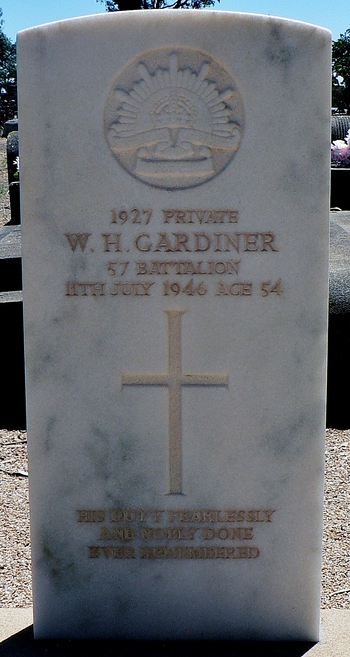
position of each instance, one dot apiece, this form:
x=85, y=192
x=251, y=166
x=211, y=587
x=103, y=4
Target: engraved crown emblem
x=174, y=111
x=174, y=126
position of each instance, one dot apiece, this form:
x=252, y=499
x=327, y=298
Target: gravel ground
x=15, y=576
x=5, y=212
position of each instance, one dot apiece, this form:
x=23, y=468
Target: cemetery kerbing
x=175, y=262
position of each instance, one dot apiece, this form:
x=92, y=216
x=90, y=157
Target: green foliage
x=341, y=57
x=7, y=58
x=341, y=68
x=126, y=5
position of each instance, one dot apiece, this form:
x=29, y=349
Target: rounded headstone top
x=340, y=126
x=10, y=126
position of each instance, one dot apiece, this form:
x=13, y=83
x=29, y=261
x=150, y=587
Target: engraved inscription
x=77, y=239
x=174, y=379
x=200, y=216
x=145, y=534
x=211, y=516
x=186, y=267
x=173, y=117
x=198, y=242
x=190, y=289
x=113, y=551
x=133, y=216
x=179, y=552
x=193, y=256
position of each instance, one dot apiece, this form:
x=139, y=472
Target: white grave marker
x=174, y=173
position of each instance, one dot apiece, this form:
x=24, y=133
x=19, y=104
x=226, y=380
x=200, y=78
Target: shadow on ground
x=22, y=644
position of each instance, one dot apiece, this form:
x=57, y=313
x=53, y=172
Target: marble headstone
x=174, y=172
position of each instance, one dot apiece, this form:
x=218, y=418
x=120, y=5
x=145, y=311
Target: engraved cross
x=174, y=379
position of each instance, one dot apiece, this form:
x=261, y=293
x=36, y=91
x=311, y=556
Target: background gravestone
x=12, y=407
x=340, y=177
x=175, y=249
x=338, y=413
x=13, y=176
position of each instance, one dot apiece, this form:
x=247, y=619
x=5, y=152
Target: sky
x=333, y=14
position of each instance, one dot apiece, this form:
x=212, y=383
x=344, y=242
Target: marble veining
x=175, y=250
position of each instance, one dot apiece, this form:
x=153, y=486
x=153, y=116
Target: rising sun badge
x=174, y=118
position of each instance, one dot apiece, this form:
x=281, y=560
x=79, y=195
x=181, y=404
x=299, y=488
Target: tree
x=7, y=58
x=8, y=76
x=341, y=69
x=123, y=5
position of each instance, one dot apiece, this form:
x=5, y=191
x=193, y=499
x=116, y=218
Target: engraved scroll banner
x=173, y=119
